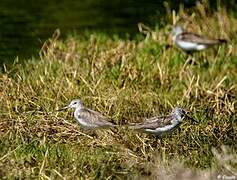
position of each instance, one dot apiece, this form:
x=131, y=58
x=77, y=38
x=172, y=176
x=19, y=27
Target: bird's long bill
x=192, y=120
x=61, y=109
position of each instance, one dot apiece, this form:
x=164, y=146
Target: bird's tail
x=134, y=126
x=114, y=125
x=221, y=41
x=110, y=124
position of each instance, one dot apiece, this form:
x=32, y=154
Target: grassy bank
x=127, y=81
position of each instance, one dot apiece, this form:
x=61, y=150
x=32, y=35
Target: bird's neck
x=77, y=110
x=79, y=107
x=177, y=118
x=174, y=37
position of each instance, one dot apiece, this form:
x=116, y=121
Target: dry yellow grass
x=126, y=80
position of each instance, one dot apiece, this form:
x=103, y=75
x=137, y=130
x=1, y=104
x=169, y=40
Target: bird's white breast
x=82, y=122
x=163, y=130
x=190, y=46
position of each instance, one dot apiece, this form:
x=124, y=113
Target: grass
x=127, y=81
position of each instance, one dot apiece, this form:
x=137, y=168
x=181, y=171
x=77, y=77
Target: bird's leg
x=191, y=59
x=179, y=130
x=183, y=69
x=158, y=142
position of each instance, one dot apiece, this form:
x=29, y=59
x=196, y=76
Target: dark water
x=25, y=24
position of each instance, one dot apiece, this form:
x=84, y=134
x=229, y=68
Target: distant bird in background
x=88, y=118
x=162, y=125
x=190, y=42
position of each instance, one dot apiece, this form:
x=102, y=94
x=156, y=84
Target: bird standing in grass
x=190, y=42
x=162, y=125
x=88, y=118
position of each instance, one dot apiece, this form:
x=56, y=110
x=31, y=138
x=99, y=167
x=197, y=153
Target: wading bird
x=162, y=125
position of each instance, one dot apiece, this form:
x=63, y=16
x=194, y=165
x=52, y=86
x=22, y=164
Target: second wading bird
x=190, y=42
x=162, y=125
x=88, y=118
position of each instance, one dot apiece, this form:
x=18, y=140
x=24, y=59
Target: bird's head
x=177, y=30
x=76, y=103
x=180, y=115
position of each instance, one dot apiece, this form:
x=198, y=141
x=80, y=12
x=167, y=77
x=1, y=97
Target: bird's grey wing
x=153, y=123
x=195, y=38
x=86, y=116
x=99, y=119
x=154, y=119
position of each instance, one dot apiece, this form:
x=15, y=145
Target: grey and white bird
x=88, y=118
x=162, y=125
x=190, y=42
